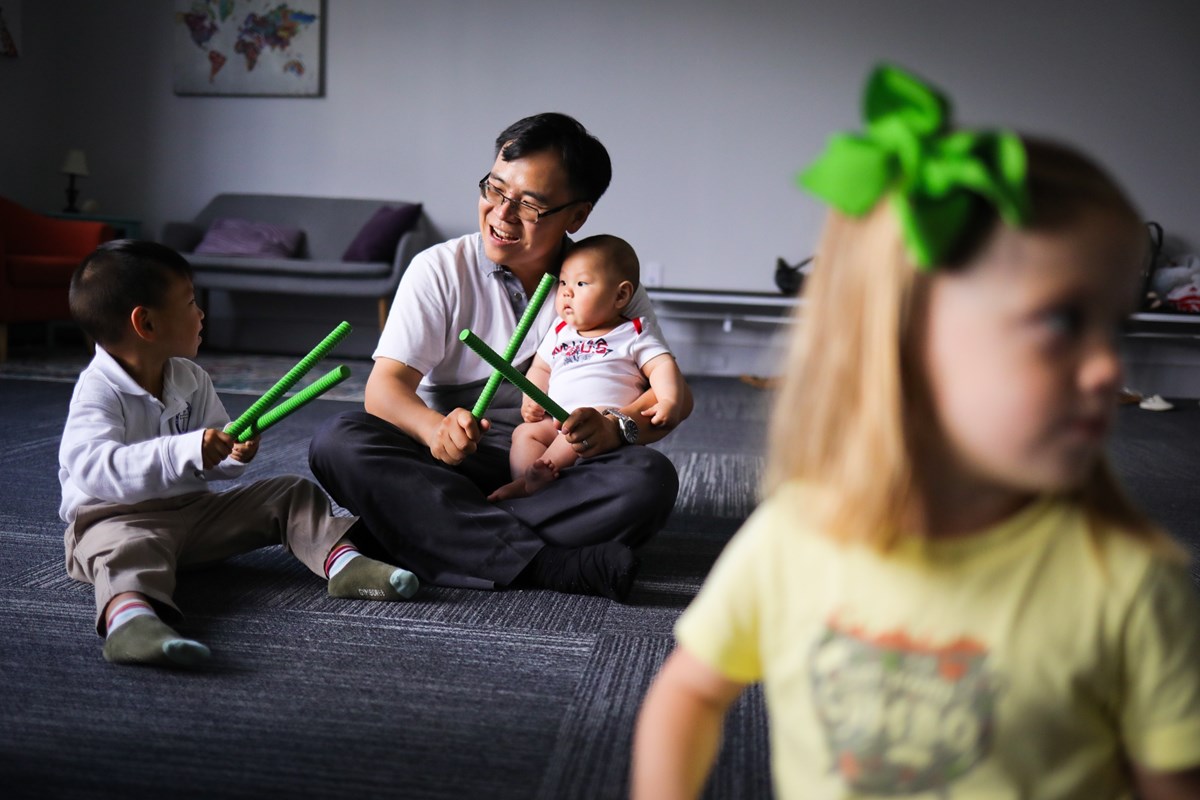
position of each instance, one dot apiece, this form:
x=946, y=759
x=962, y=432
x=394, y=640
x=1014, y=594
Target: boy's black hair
x=589, y=169
x=117, y=277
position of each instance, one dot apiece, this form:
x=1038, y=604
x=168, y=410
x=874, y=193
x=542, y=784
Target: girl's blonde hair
x=853, y=401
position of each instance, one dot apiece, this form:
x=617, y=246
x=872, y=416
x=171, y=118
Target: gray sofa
x=329, y=226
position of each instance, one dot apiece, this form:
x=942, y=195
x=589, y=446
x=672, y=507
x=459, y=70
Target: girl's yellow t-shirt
x=1029, y=660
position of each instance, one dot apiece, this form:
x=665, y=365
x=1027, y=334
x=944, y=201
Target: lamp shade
x=75, y=163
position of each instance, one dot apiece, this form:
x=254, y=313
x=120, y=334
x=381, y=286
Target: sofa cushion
x=377, y=239
x=241, y=237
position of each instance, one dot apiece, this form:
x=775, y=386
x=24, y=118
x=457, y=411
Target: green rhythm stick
x=510, y=372
x=294, y=403
x=514, y=344
x=297, y=372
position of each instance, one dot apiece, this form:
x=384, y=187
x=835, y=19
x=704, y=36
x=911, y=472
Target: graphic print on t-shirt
x=901, y=716
x=573, y=350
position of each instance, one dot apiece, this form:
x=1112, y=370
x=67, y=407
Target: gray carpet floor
x=516, y=694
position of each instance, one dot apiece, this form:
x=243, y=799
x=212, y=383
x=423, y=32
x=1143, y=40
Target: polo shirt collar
x=178, y=382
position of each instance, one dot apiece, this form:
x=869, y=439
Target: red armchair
x=38, y=255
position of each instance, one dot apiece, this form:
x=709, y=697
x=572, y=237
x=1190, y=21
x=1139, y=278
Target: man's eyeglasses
x=526, y=211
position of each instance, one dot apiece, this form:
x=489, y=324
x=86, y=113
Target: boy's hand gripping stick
x=514, y=344
x=510, y=372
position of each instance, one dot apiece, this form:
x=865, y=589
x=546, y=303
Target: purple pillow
x=241, y=237
x=378, y=238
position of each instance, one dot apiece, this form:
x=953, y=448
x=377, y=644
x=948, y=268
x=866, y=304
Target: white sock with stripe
x=338, y=558
x=128, y=610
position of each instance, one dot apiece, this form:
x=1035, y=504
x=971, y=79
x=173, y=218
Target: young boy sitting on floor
x=144, y=435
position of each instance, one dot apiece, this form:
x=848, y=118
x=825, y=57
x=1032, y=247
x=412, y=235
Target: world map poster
x=248, y=47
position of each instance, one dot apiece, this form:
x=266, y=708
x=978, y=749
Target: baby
x=592, y=355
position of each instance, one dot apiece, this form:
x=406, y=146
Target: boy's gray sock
x=364, y=578
x=148, y=640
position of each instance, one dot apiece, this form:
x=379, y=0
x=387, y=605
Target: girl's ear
x=141, y=321
x=624, y=294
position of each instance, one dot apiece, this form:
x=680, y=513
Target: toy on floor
x=257, y=418
x=1155, y=402
x=510, y=373
x=1176, y=285
x=514, y=344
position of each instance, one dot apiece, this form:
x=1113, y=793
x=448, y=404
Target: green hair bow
x=930, y=171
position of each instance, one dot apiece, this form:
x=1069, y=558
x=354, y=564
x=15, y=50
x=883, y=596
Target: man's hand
x=456, y=436
x=215, y=447
x=391, y=395
x=591, y=433
x=244, y=452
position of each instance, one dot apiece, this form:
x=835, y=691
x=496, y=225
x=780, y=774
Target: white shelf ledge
x=1174, y=319
x=707, y=297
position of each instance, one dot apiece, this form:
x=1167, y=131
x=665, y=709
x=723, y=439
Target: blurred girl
x=945, y=592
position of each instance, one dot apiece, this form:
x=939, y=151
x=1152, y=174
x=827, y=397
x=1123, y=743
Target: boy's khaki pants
x=139, y=547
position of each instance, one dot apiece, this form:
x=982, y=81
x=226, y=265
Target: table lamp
x=74, y=166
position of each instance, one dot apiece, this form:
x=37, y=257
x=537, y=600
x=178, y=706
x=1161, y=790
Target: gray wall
x=708, y=107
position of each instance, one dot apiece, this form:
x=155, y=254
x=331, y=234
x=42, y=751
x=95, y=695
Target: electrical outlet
x=652, y=273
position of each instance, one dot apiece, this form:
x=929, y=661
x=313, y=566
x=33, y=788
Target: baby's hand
x=531, y=411
x=664, y=413
x=244, y=452
x=215, y=447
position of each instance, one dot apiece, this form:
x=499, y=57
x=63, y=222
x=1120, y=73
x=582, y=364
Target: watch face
x=628, y=427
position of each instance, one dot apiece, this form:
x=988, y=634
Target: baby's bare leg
x=558, y=456
x=529, y=443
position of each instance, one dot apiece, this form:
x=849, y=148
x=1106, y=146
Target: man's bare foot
x=510, y=490
x=539, y=474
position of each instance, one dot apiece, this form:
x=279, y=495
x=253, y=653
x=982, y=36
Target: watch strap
x=625, y=423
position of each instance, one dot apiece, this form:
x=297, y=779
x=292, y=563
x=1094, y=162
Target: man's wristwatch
x=629, y=428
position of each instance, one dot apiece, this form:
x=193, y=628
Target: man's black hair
x=117, y=277
x=589, y=169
